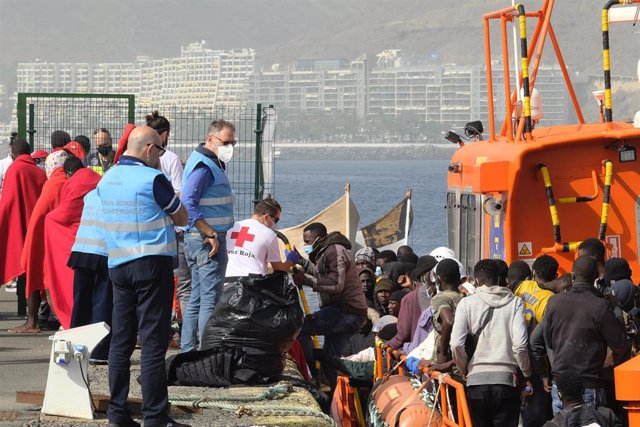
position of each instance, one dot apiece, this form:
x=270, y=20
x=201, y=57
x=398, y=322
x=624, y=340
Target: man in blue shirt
x=207, y=195
x=139, y=210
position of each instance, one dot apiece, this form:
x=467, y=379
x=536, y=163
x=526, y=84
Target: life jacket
x=216, y=203
x=90, y=238
x=135, y=225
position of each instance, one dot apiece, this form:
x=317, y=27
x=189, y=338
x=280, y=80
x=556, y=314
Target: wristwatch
x=215, y=236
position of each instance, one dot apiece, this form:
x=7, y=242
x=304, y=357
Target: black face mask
x=105, y=150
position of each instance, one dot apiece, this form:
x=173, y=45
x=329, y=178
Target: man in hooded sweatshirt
x=343, y=308
x=496, y=317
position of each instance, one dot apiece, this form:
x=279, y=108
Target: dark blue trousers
x=92, y=303
x=142, y=297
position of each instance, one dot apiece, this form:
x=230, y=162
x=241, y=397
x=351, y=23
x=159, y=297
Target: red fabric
x=297, y=353
x=22, y=186
x=33, y=251
x=122, y=144
x=61, y=226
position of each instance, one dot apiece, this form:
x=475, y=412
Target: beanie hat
x=398, y=295
x=76, y=149
x=366, y=255
x=384, y=285
x=624, y=291
x=616, y=269
x=383, y=321
x=425, y=265
x=54, y=161
x=388, y=331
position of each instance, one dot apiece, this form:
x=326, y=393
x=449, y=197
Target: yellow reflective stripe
x=91, y=242
x=220, y=221
x=143, y=250
x=134, y=226
x=214, y=201
x=554, y=215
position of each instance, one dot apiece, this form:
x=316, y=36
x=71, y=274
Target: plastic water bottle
x=524, y=396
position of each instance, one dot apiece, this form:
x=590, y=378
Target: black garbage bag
x=262, y=317
x=208, y=368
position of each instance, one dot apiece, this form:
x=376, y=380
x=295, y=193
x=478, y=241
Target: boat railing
x=440, y=385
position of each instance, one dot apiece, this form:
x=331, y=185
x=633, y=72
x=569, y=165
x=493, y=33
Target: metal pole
x=258, y=181
x=31, y=130
x=21, y=113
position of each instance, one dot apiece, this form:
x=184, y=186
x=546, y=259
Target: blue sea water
x=304, y=187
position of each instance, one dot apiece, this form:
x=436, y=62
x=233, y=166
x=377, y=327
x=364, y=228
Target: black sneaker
x=131, y=423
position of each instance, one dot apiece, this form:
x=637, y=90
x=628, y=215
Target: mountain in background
x=283, y=30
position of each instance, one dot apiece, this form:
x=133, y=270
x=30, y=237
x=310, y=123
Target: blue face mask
x=378, y=271
x=309, y=248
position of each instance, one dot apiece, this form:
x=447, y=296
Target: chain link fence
x=251, y=171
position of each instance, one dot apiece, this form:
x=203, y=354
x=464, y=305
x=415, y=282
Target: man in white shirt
x=252, y=243
x=6, y=162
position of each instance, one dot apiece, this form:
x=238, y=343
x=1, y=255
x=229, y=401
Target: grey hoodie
x=502, y=345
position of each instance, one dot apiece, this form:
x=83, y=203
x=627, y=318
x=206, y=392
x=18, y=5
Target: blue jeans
x=207, y=279
x=591, y=396
x=337, y=327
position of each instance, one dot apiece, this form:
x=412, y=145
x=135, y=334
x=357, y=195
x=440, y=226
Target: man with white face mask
x=207, y=195
x=252, y=243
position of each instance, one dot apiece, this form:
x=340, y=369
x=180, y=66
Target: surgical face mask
x=309, y=248
x=105, y=150
x=378, y=271
x=225, y=152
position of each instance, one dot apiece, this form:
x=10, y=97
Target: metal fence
x=251, y=171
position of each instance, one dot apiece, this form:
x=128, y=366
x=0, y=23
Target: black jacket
x=579, y=325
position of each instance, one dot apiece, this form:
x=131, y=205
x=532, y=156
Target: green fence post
x=132, y=109
x=31, y=131
x=258, y=179
x=21, y=112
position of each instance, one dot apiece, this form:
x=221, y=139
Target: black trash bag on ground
x=262, y=317
x=208, y=368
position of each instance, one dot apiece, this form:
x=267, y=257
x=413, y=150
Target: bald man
x=139, y=210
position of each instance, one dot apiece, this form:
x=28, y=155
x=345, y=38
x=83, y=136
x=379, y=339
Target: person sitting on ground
x=579, y=325
x=517, y=273
x=331, y=273
x=382, y=291
x=252, y=243
x=395, y=302
x=444, y=305
x=496, y=317
x=414, y=303
x=576, y=411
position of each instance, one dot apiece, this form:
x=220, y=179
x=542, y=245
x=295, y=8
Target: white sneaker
x=11, y=287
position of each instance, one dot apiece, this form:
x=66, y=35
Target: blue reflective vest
x=216, y=203
x=135, y=225
x=90, y=238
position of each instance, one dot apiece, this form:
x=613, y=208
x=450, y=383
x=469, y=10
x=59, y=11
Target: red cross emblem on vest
x=242, y=236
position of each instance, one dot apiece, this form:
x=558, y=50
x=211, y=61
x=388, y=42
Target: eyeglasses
x=161, y=150
x=232, y=142
x=98, y=130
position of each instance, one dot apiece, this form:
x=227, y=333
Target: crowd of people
x=530, y=345
x=106, y=236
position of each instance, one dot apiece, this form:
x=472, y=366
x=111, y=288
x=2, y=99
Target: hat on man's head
x=382, y=322
x=616, y=269
x=366, y=254
x=39, y=154
x=76, y=149
x=398, y=295
x=388, y=332
x=442, y=252
x=624, y=290
x=367, y=269
x=425, y=264
x=384, y=285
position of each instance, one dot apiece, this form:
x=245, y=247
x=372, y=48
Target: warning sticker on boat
x=525, y=249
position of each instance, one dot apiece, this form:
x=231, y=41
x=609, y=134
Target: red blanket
x=61, y=226
x=33, y=251
x=22, y=186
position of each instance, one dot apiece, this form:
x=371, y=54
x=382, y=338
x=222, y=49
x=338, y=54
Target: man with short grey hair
x=207, y=195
